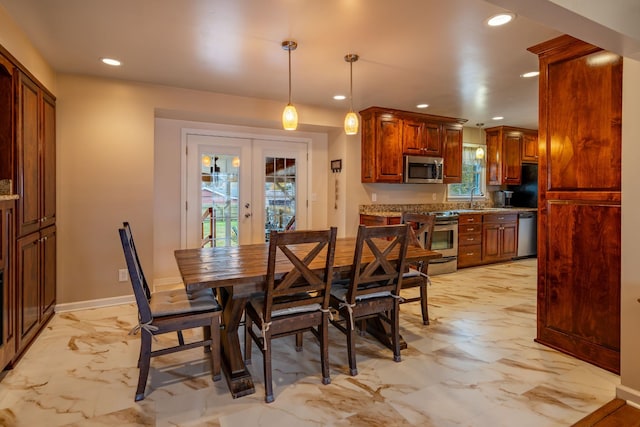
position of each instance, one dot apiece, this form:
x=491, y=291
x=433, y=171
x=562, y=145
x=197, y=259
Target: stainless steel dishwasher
x=527, y=234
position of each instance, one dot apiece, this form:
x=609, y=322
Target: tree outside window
x=473, y=173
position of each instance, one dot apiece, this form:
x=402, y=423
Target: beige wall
x=630, y=333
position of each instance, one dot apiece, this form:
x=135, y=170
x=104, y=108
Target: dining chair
x=417, y=276
x=373, y=288
x=170, y=311
x=296, y=301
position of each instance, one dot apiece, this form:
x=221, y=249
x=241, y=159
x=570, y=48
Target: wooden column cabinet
x=469, y=240
x=579, y=207
x=529, y=153
x=388, y=135
x=28, y=157
x=7, y=284
x=499, y=237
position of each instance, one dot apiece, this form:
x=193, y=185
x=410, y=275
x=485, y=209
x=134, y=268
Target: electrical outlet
x=433, y=197
x=374, y=197
x=123, y=275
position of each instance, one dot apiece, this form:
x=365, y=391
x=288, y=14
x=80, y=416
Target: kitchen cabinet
x=381, y=147
x=529, y=153
x=36, y=269
x=366, y=219
x=499, y=237
x=421, y=138
x=388, y=135
x=469, y=240
x=579, y=205
x=452, y=153
x=28, y=157
x=7, y=284
x=504, y=146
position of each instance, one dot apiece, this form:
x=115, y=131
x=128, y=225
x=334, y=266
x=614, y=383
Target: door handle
x=247, y=215
x=247, y=205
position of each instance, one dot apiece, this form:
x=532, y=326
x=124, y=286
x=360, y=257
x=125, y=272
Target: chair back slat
x=388, y=245
x=136, y=276
x=309, y=279
x=145, y=285
x=420, y=223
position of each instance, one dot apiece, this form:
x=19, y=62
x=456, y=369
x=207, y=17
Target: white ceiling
x=438, y=52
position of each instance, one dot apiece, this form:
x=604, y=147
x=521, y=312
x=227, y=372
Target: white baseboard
x=629, y=394
x=95, y=303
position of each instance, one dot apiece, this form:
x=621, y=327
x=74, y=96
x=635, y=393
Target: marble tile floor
x=475, y=365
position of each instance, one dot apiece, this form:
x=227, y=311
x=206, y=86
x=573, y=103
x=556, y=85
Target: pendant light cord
x=289, y=50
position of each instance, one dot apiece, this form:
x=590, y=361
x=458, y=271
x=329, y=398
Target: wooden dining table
x=237, y=272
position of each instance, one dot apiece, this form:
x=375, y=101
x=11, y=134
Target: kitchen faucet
x=471, y=199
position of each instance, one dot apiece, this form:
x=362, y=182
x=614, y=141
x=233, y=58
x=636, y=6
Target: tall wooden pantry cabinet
x=579, y=241
x=28, y=145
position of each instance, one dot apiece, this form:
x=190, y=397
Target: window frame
x=480, y=175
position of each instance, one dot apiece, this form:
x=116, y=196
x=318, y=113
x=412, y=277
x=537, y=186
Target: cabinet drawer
x=469, y=219
x=501, y=218
x=469, y=228
x=467, y=239
x=379, y=220
x=469, y=255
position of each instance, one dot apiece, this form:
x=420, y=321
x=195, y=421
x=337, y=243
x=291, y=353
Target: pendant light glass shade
x=289, y=115
x=351, y=123
x=351, y=119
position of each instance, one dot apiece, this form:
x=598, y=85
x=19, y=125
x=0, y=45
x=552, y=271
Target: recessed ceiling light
x=530, y=74
x=500, y=19
x=422, y=105
x=111, y=61
x=339, y=97
x=497, y=118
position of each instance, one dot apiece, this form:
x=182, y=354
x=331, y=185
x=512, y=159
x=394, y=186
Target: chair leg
x=180, y=338
x=248, y=324
x=299, y=341
x=144, y=362
x=351, y=348
x=323, y=331
x=423, y=303
x=395, y=331
x=268, y=384
x=206, y=335
x=214, y=335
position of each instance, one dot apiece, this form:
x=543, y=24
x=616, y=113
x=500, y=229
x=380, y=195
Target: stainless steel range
x=445, y=241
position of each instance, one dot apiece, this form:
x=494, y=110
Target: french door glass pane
x=280, y=194
x=219, y=196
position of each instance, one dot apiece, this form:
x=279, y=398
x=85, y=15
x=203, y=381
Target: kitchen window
x=473, y=174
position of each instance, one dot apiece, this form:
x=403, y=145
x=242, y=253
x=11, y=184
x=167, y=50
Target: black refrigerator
x=526, y=194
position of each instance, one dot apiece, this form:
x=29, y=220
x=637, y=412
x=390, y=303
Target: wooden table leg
x=382, y=332
x=238, y=377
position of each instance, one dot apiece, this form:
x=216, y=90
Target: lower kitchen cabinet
x=499, y=237
x=469, y=240
x=36, y=276
x=7, y=284
x=366, y=219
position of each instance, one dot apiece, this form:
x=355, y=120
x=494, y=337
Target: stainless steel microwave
x=423, y=170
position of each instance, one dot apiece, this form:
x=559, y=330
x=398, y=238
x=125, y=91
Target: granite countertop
x=396, y=210
x=8, y=197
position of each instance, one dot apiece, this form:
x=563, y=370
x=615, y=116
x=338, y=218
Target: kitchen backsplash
x=423, y=207
x=6, y=187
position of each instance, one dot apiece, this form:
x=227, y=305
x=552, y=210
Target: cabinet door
x=7, y=287
x=388, y=149
x=432, y=139
x=6, y=118
x=490, y=242
x=367, y=148
x=48, y=162
x=412, y=137
x=530, y=148
x=494, y=169
x=48, y=267
x=509, y=240
x=452, y=154
x=28, y=156
x=28, y=281
x=511, y=166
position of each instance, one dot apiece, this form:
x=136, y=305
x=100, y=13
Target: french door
x=237, y=189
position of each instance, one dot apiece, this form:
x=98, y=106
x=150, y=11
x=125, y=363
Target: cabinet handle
x=470, y=253
x=470, y=239
x=500, y=217
x=470, y=228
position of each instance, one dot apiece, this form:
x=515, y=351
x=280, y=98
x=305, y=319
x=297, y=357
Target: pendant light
x=289, y=115
x=351, y=119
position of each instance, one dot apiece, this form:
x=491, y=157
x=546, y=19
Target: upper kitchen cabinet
x=529, y=147
x=505, y=145
x=452, y=153
x=35, y=142
x=388, y=135
x=421, y=138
